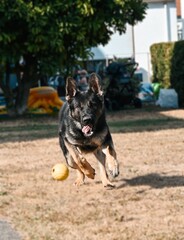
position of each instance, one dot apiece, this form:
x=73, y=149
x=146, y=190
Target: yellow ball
x=60, y=171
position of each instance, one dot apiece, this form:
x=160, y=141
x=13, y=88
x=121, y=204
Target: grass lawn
x=147, y=202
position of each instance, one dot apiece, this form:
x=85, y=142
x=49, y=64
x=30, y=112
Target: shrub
x=161, y=55
x=177, y=71
x=168, y=66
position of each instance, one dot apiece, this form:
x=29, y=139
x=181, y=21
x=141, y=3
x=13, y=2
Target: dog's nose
x=86, y=120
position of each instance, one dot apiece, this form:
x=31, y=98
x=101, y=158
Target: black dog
x=83, y=129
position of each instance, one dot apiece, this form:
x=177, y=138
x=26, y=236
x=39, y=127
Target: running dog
x=83, y=129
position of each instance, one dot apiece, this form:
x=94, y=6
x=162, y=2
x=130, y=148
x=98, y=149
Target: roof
x=178, y=7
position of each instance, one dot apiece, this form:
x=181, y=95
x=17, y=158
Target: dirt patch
x=147, y=202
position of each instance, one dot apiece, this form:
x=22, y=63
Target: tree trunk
x=22, y=97
x=17, y=99
x=26, y=77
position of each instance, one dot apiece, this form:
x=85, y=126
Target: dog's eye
x=92, y=104
x=89, y=104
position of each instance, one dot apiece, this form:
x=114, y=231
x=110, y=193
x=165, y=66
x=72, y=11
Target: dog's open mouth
x=87, y=130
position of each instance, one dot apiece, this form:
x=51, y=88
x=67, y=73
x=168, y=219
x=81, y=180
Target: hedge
x=168, y=66
x=177, y=71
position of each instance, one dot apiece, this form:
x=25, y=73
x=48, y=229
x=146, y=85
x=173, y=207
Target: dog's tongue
x=87, y=130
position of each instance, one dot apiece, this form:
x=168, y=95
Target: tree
x=52, y=33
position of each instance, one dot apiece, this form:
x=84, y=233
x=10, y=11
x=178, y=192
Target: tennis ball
x=60, y=171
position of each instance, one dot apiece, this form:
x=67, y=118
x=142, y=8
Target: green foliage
x=177, y=71
x=168, y=66
x=55, y=34
x=161, y=55
x=58, y=32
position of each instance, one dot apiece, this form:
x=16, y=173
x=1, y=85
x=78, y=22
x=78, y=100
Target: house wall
x=159, y=25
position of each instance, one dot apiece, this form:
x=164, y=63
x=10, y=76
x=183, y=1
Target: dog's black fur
x=83, y=129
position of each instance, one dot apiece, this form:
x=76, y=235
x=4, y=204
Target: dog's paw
x=78, y=182
x=108, y=185
x=91, y=175
x=114, y=170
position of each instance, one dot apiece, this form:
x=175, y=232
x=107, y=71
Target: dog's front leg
x=81, y=162
x=80, y=175
x=111, y=159
x=103, y=174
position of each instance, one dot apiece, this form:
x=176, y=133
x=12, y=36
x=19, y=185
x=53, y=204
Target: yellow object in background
x=44, y=100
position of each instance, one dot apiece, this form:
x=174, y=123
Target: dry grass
x=146, y=204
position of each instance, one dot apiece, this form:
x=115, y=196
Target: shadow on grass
x=145, y=125
x=149, y=118
x=33, y=127
x=154, y=180
x=28, y=128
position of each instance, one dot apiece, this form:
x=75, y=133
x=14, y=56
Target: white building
x=159, y=25
x=182, y=19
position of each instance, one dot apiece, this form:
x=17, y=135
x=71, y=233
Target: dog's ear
x=94, y=84
x=71, y=88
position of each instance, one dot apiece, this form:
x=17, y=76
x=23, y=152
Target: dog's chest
x=86, y=144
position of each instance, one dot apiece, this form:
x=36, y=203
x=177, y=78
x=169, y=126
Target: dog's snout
x=86, y=120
